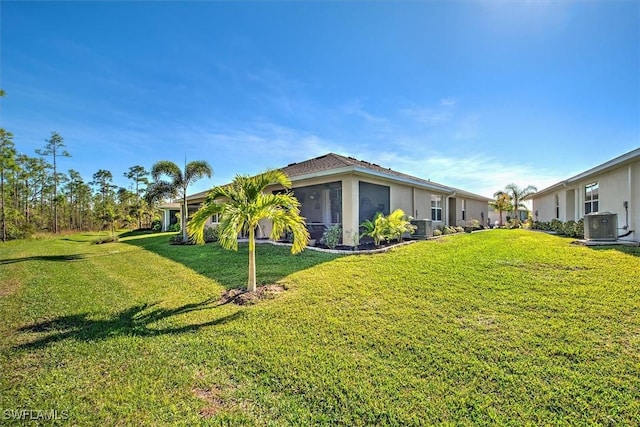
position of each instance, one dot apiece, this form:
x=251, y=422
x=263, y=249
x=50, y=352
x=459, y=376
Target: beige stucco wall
x=413, y=201
x=615, y=187
x=546, y=206
x=476, y=210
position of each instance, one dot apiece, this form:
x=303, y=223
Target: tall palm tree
x=242, y=204
x=518, y=195
x=178, y=183
x=502, y=203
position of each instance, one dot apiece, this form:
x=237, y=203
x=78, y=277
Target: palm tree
x=178, y=183
x=518, y=195
x=242, y=204
x=502, y=203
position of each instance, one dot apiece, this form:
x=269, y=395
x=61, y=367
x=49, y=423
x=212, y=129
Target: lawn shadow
x=230, y=268
x=133, y=321
x=629, y=250
x=54, y=258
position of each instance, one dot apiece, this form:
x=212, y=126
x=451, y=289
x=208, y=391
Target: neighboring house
x=333, y=189
x=613, y=186
x=170, y=214
x=494, y=216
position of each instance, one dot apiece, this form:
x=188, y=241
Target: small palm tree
x=178, y=183
x=241, y=206
x=398, y=223
x=502, y=203
x=518, y=195
x=377, y=229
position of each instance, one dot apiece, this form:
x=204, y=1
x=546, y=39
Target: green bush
x=156, y=225
x=580, y=228
x=541, y=225
x=376, y=229
x=459, y=229
x=211, y=234
x=512, y=223
x=177, y=240
x=331, y=236
x=397, y=224
x=437, y=232
x=556, y=225
x=174, y=227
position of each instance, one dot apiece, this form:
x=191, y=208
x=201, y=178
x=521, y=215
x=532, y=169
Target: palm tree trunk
x=183, y=225
x=251, y=282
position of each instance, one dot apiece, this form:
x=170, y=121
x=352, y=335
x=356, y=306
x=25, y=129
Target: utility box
x=601, y=226
x=424, y=228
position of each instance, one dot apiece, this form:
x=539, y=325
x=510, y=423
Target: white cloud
x=480, y=174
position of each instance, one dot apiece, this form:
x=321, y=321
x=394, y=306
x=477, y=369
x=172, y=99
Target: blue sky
x=472, y=94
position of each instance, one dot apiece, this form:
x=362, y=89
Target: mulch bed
x=243, y=297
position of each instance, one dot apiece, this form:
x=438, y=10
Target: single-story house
x=613, y=186
x=170, y=214
x=334, y=189
x=494, y=216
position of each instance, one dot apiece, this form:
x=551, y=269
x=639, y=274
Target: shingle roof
x=333, y=161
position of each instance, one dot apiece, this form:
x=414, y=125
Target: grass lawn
x=502, y=327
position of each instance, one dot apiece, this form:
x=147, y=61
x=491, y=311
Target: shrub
x=556, y=225
x=174, y=227
x=437, y=233
x=397, y=223
x=177, y=240
x=580, y=228
x=569, y=228
x=331, y=236
x=211, y=234
x=459, y=229
x=156, y=225
x=541, y=225
x=376, y=229
x=513, y=223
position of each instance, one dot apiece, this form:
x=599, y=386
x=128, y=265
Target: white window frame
x=464, y=209
x=436, y=207
x=591, y=202
x=557, y=206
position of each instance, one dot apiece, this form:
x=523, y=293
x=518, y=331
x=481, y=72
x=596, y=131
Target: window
x=591, y=198
x=464, y=208
x=557, y=207
x=215, y=218
x=436, y=207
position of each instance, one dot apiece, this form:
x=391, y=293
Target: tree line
x=36, y=196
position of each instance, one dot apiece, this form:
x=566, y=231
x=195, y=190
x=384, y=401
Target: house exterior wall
x=545, y=206
x=414, y=201
x=615, y=187
x=475, y=210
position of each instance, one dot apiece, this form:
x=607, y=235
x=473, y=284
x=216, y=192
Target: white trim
x=613, y=163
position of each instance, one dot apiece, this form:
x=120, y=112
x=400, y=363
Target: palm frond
x=196, y=170
x=168, y=168
x=195, y=226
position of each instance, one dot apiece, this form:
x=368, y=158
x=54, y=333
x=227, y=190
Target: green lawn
x=502, y=327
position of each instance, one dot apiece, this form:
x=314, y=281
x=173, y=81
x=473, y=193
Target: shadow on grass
x=55, y=258
x=629, y=250
x=133, y=321
x=230, y=268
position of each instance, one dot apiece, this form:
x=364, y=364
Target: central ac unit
x=601, y=226
x=424, y=228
